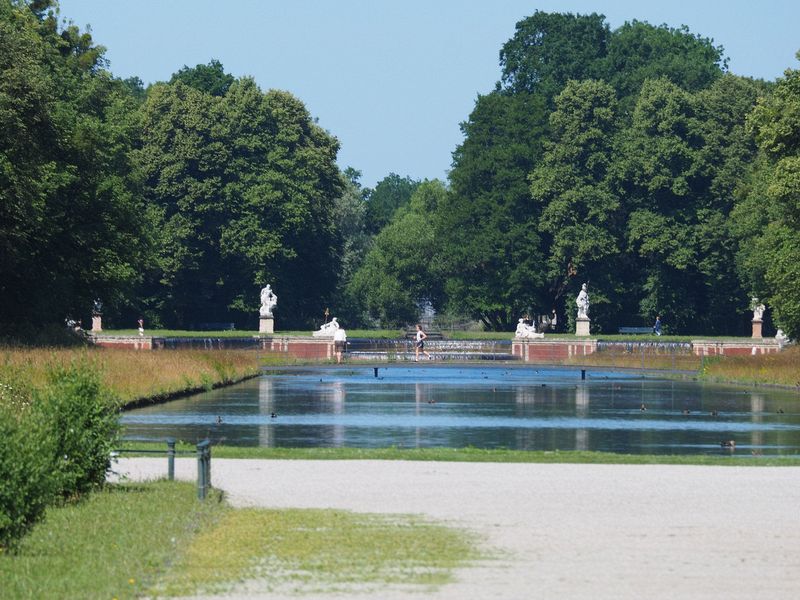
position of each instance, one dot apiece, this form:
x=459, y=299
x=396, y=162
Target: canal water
x=524, y=408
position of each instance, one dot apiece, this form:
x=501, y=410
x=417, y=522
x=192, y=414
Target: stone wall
x=546, y=349
x=735, y=347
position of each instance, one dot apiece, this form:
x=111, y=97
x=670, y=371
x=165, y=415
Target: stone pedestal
x=757, y=329
x=97, y=323
x=582, y=326
x=266, y=325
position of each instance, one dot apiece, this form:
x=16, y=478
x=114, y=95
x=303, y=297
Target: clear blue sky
x=393, y=80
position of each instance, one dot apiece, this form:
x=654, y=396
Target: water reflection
x=486, y=407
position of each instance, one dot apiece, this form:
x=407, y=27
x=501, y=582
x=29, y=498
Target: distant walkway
x=564, y=531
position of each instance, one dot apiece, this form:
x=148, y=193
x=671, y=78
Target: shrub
x=26, y=451
x=83, y=421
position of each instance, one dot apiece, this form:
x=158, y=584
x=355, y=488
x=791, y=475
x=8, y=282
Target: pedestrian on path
x=420, y=343
x=657, y=326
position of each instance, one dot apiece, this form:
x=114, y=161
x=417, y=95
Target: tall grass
x=136, y=374
x=782, y=368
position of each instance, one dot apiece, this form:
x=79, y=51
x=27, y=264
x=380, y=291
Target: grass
x=725, y=458
x=136, y=374
x=115, y=544
x=782, y=368
x=637, y=359
x=158, y=539
x=310, y=550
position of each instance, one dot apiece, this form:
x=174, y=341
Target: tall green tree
x=674, y=166
x=580, y=211
x=549, y=49
x=491, y=248
x=210, y=78
x=182, y=160
x=638, y=51
x=350, y=218
x=72, y=226
x=246, y=183
x=390, y=193
x=399, y=273
x=767, y=218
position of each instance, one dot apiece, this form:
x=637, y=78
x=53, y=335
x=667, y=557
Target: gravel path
x=566, y=531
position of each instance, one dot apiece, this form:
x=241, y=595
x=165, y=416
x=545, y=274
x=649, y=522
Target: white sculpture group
x=268, y=301
x=328, y=329
x=526, y=331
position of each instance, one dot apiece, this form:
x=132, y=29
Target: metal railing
x=202, y=451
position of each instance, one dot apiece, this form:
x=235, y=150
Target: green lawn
x=481, y=455
x=157, y=539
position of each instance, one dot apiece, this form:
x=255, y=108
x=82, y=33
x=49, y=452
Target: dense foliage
x=629, y=159
x=71, y=226
x=57, y=442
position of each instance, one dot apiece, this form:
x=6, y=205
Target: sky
x=393, y=80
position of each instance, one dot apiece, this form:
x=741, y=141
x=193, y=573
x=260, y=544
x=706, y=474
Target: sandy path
x=569, y=531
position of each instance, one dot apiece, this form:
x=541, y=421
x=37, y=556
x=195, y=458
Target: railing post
x=203, y=469
x=171, y=459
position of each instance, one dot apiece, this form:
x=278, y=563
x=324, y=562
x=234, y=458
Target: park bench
x=636, y=330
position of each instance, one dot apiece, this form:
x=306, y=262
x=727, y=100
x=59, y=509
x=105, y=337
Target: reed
x=782, y=368
x=135, y=374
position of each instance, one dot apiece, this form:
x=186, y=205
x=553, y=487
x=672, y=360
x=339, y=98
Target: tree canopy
x=629, y=159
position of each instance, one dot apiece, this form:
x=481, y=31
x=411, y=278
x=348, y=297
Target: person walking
x=420, y=343
x=340, y=343
x=657, y=325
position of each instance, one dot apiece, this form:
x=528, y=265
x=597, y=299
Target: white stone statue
x=328, y=329
x=758, y=309
x=781, y=338
x=526, y=331
x=268, y=301
x=583, y=303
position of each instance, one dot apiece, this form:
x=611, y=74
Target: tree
x=580, y=212
x=72, y=226
x=246, y=183
x=673, y=170
x=767, y=218
x=488, y=226
x=211, y=78
x=549, y=49
x=638, y=51
x=391, y=193
x=182, y=161
x=350, y=218
x=399, y=272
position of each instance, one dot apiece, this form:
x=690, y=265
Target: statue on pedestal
x=97, y=316
x=758, y=309
x=583, y=303
x=268, y=301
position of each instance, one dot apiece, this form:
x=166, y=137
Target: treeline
x=628, y=159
